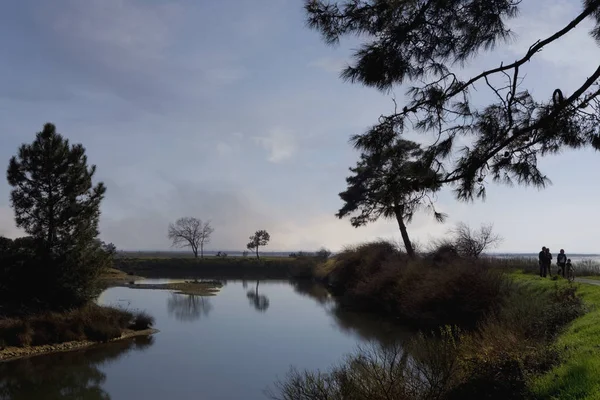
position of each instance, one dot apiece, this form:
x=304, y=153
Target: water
x=230, y=346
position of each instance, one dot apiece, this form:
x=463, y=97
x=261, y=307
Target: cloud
x=280, y=144
x=329, y=64
x=7, y=224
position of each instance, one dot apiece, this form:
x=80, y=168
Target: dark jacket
x=561, y=258
x=542, y=257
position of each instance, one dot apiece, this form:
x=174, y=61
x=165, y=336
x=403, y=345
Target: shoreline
x=15, y=353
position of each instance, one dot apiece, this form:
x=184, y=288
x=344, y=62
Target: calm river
x=229, y=346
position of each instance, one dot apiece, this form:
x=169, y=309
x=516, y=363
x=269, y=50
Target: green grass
x=578, y=375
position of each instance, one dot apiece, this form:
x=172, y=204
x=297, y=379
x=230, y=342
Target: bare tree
x=471, y=243
x=191, y=232
x=260, y=238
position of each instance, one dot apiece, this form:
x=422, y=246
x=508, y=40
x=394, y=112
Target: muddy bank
x=193, y=288
x=13, y=353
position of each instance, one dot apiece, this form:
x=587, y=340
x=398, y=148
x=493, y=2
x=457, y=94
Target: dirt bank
x=192, y=288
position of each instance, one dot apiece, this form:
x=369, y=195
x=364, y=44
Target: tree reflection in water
x=368, y=327
x=260, y=302
x=187, y=307
x=66, y=376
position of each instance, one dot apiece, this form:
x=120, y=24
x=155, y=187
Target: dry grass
x=91, y=322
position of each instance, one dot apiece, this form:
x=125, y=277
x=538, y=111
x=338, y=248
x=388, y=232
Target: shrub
x=90, y=322
x=376, y=277
x=142, y=320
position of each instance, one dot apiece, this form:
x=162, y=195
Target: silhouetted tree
x=53, y=197
x=55, y=202
x=426, y=42
x=389, y=181
x=191, y=232
x=470, y=242
x=323, y=253
x=260, y=238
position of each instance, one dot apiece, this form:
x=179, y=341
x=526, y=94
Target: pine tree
x=389, y=182
x=424, y=43
x=53, y=197
x=56, y=203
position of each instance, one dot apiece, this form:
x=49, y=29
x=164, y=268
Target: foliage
x=53, y=197
x=498, y=359
x=426, y=43
x=471, y=243
x=425, y=292
x=260, y=238
x=90, y=322
x=389, y=181
x=191, y=232
x=55, y=202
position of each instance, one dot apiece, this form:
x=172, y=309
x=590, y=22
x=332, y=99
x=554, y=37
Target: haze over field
x=188, y=108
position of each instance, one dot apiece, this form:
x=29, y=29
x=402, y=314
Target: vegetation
x=49, y=279
x=191, y=232
x=471, y=306
x=389, y=181
x=90, y=322
x=260, y=238
x=426, y=43
x=56, y=203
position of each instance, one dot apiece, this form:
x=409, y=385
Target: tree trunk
x=257, y=257
x=202, y=250
x=407, y=243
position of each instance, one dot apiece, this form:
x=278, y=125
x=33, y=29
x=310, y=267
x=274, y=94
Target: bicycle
x=570, y=273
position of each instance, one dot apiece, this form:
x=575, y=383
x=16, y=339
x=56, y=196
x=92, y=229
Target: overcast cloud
x=233, y=111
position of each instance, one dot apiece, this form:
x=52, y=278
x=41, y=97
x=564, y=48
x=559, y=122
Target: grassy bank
x=578, y=374
x=213, y=267
x=89, y=323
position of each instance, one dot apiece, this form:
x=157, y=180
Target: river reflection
x=79, y=377
x=187, y=307
x=260, y=302
x=216, y=347
x=367, y=327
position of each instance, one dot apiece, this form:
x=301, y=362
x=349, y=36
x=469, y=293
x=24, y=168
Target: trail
x=588, y=281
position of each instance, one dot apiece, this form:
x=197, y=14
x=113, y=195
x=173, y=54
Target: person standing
x=549, y=261
x=542, y=262
x=561, y=261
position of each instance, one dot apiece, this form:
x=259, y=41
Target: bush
x=142, y=320
x=376, y=277
x=91, y=322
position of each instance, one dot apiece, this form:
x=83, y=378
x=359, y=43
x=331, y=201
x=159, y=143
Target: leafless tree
x=471, y=243
x=191, y=232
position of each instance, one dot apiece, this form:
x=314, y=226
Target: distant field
x=188, y=254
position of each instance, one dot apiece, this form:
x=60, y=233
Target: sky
x=233, y=111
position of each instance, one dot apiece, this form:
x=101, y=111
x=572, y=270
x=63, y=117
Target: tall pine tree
x=57, y=204
x=53, y=196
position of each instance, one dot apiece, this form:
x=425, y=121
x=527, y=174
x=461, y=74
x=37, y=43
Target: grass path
x=578, y=376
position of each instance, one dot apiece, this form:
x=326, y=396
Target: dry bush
x=378, y=372
x=90, y=322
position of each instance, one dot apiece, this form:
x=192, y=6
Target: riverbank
x=497, y=334
x=112, y=276
x=196, y=288
x=577, y=375
x=14, y=353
